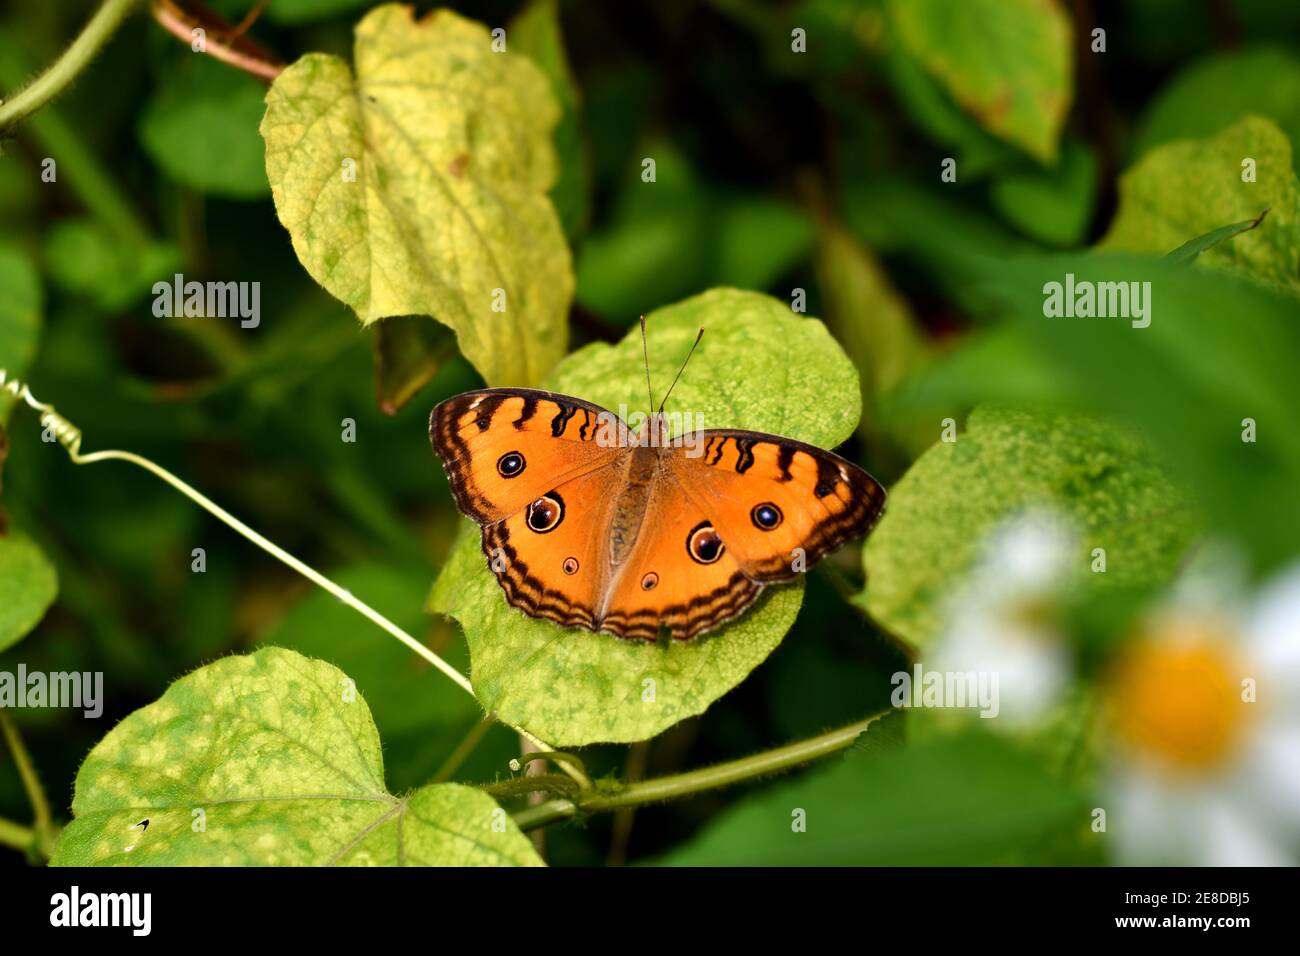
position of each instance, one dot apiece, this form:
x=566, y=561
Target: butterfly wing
x=557, y=568
x=505, y=450
x=554, y=436
x=775, y=500
x=662, y=584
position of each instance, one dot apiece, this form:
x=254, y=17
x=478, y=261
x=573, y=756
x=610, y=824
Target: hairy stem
x=66, y=68
x=16, y=835
x=42, y=821
x=680, y=785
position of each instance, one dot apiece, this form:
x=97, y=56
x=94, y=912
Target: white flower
x=1002, y=622
x=1206, y=712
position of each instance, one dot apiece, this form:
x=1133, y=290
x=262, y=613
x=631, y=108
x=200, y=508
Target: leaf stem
x=463, y=750
x=43, y=822
x=69, y=436
x=222, y=43
x=678, y=786
x=66, y=68
x=16, y=835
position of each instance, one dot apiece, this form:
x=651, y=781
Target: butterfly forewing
x=503, y=448
x=779, y=505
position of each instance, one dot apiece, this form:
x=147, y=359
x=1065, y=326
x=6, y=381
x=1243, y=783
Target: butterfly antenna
x=645, y=350
x=680, y=370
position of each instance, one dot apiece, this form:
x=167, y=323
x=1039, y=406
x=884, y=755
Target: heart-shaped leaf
x=269, y=759
x=418, y=186
x=759, y=366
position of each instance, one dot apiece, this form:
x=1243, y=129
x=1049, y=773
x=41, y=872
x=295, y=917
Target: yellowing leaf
x=269, y=759
x=1006, y=62
x=418, y=186
x=1189, y=188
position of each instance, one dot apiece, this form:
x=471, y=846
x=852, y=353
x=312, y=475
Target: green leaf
x=1189, y=188
x=20, y=310
x=88, y=259
x=535, y=32
x=449, y=211
x=760, y=366
x=1192, y=380
x=1053, y=206
x=1102, y=478
x=409, y=352
x=200, y=128
x=1189, y=250
x=968, y=799
x=287, y=770
x=931, y=108
x=28, y=585
x=294, y=12
x=874, y=323
x=1220, y=90
x=1006, y=62
x=759, y=240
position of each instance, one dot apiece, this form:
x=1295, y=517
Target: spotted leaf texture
x=416, y=183
x=760, y=366
x=1103, y=480
x=269, y=759
x=1189, y=188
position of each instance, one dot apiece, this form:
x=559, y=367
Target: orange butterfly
x=587, y=523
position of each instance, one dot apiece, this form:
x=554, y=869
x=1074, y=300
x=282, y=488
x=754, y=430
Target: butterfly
x=589, y=523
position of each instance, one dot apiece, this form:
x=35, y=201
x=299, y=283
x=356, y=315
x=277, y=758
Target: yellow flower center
x=1177, y=697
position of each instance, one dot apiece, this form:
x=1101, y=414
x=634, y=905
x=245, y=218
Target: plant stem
x=16, y=835
x=221, y=43
x=677, y=786
x=66, y=68
x=78, y=168
x=69, y=436
x=463, y=750
x=42, y=821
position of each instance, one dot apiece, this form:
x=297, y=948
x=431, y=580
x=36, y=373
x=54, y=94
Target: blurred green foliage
x=776, y=171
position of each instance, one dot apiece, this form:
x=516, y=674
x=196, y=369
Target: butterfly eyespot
x=570, y=565
x=510, y=464
x=703, y=544
x=649, y=582
x=546, y=513
x=766, y=516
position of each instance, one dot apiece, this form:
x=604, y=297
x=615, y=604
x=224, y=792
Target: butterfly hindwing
x=553, y=436
x=551, y=560
x=666, y=583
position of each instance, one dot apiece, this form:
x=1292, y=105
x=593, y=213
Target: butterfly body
x=590, y=524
